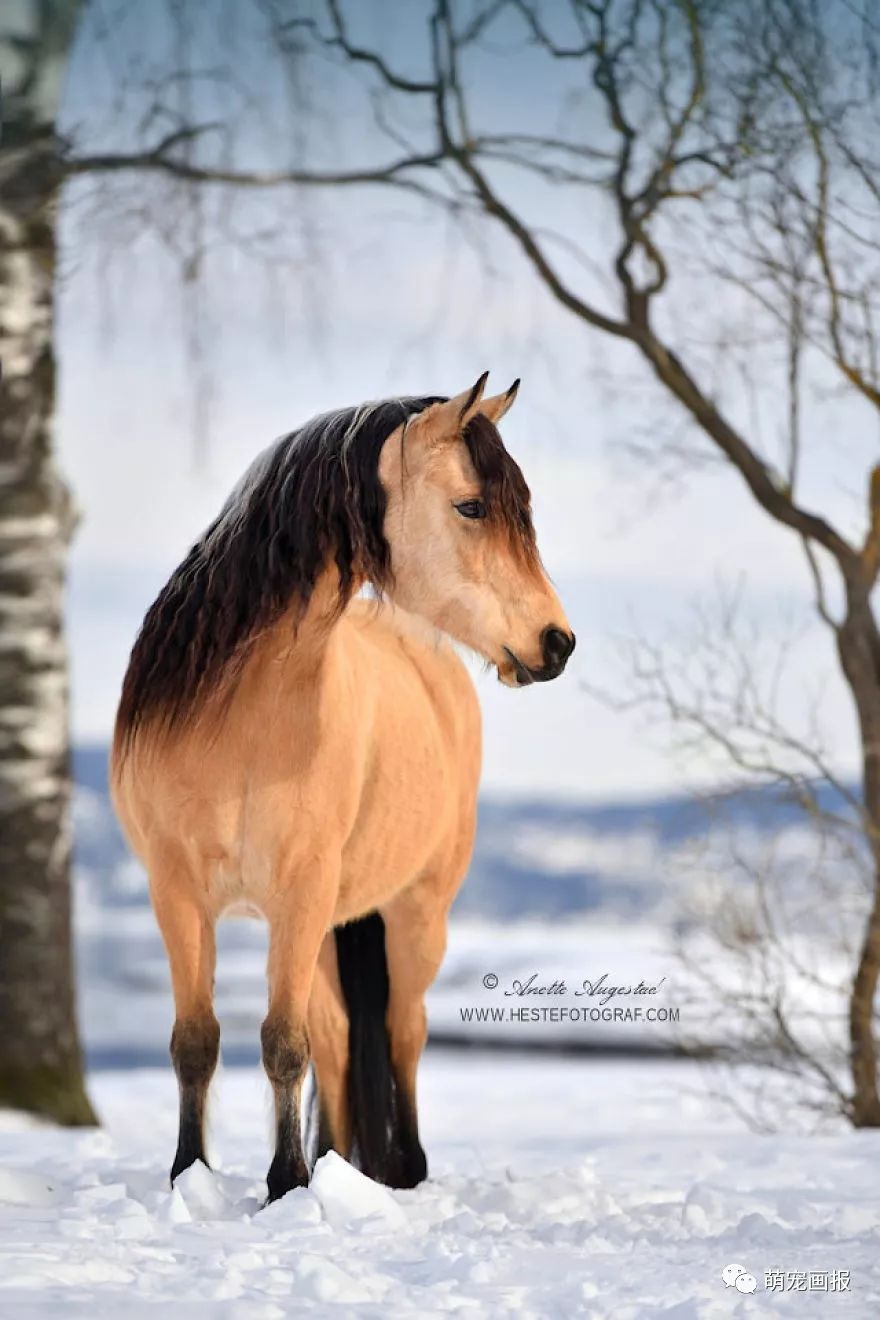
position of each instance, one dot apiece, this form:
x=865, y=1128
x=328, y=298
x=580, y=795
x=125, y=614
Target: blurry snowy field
x=558, y=892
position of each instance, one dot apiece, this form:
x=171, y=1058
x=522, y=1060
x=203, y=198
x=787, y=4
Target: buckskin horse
x=288, y=749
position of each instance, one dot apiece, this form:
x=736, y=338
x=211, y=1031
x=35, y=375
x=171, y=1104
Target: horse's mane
x=313, y=496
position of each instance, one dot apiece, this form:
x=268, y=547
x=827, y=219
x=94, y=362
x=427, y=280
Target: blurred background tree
x=40, y=1063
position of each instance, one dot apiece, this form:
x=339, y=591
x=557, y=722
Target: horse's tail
x=363, y=973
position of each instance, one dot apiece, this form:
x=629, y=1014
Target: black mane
x=313, y=497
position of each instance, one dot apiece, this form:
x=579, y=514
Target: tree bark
x=40, y=1057
x=859, y=650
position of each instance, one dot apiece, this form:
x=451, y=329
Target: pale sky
x=383, y=299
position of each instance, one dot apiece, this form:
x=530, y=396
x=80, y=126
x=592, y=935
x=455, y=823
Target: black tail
x=363, y=973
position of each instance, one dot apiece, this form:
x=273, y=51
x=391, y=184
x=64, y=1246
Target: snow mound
x=18, y=1187
x=200, y=1193
x=300, y=1208
x=347, y=1196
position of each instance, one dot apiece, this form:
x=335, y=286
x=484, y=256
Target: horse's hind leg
x=328, y=1032
x=298, y=923
x=188, y=933
x=415, y=941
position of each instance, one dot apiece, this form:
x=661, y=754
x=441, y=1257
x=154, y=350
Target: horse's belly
x=366, y=888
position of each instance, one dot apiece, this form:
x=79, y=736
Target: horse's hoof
x=282, y=1180
x=412, y=1170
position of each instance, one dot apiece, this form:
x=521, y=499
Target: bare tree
x=772, y=910
x=40, y=1064
x=717, y=142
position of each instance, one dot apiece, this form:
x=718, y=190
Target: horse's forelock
x=505, y=491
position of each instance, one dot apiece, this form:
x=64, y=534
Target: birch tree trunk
x=40, y=1059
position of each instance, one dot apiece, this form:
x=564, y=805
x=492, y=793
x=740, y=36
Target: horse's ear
x=498, y=405
x=467, y=403
x=442, y=420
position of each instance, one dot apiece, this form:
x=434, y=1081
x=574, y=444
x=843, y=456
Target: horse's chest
x=373, y=810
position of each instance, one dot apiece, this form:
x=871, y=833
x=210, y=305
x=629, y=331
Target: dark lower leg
x=410, y=1164
x=285, y=1059
x=407, y=1029
x=195, y=1047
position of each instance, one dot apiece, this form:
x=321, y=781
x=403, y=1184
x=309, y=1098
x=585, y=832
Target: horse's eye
x=471, y=509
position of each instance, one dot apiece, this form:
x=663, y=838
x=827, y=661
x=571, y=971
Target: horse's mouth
x=521, y=673
x=518, y=674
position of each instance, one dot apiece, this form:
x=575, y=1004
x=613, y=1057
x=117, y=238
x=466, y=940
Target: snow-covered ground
x=559, y=1187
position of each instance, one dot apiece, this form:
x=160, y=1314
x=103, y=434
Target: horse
x=297, y=740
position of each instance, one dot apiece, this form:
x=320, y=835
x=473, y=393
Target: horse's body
x=312, y=750
x=314, y=762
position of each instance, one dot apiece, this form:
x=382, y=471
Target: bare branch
x=358, y=54
x=157, y=159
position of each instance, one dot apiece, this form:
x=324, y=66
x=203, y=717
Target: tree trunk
x=859, y=649
x=40, y=1059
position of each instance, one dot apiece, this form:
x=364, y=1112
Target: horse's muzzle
x=556, y=647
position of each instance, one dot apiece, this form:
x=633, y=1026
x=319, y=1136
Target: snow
x=346, y=1196
x=559, y=1187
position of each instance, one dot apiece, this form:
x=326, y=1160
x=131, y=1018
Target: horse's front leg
x=298, y=921
x=188, y=931
x=329, y=1032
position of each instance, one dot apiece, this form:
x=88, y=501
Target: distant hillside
x=534, y=858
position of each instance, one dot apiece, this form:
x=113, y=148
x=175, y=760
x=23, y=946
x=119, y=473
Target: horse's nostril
x=557, y=646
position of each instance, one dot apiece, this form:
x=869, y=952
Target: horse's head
x=459, y=527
